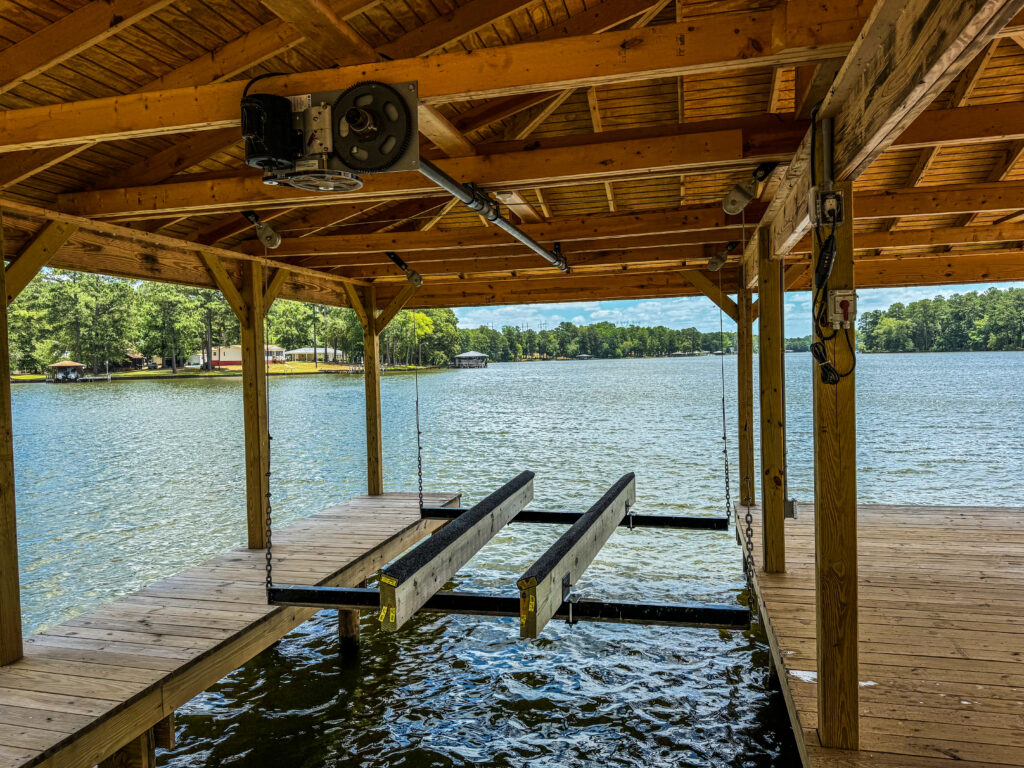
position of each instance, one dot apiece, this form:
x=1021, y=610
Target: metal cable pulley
x=373, y=127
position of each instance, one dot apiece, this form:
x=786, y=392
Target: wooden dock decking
x=941, y=636
x=93, y=684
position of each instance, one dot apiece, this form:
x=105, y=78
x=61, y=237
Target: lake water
x=121, y=484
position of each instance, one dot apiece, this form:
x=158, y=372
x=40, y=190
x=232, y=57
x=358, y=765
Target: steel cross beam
x=568, y=517
x=474, y=604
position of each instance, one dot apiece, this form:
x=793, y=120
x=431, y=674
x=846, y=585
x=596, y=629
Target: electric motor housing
x=271, y=143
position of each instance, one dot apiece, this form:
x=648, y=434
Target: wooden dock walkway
x=93, y=684
x=941, y=636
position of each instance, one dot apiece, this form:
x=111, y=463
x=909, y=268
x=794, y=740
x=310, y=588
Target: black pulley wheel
x=373, y=127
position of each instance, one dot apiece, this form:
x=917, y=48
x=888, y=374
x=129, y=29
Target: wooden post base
x=163, y=733
x=348, y=633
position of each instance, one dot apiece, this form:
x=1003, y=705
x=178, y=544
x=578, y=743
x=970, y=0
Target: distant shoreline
x=114, y=377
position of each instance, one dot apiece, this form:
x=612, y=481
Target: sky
x=695, y=311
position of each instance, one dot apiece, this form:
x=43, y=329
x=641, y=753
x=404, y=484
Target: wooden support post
x=545, y=586
x=137, y=753
x=835, y=515
x=10, y=590
x=745, y=394
x=348, y=632
x=163, y=733
x=410, y=581
x=254, y=395
x=773, y=479
x=371, y=379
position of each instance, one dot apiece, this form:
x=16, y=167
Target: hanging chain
x=266, y=405
x=419, y=432
x=748, y=518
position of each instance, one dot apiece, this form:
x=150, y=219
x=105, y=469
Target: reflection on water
x=123, y=483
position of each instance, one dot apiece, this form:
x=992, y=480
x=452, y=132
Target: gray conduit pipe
x=478, y=200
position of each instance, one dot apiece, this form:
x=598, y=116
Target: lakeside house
x=470, y=359
x=230, y=356
x=310, y=354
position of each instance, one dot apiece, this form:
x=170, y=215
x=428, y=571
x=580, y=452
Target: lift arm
x=410, y=581
x=546, y=585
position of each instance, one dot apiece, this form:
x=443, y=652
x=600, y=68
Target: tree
x=171, y=322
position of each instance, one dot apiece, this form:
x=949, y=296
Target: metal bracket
x=789, y=509
x=571, y=601
x=411, y=274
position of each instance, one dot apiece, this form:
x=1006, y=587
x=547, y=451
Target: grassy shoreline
x=288, y=369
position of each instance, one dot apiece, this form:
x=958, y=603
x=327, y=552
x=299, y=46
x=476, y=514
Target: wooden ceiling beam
x=908, y=52
x=927, y=237
x=706, y=223
x=317, y=21
x=520, y=206
x=89, y=25
x=675, y=254
x=947, y=269
x=962, y=91
x=507, y=171
x=600, y=18
x=532, y=122
x=451, y=26
x=765, y=138
x=549, y=289
x=36, y=255
x=233, y=57
x=150, y=249
x=566, y=230
x=729, y=41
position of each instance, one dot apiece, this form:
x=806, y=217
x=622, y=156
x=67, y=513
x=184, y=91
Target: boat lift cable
x=419, y=431
x=479, y=201
x=725, y=427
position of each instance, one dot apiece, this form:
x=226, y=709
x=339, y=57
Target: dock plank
x=940, y=638
x=88, y=686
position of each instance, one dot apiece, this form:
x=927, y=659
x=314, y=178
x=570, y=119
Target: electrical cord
x=264, y=76
x=822, y=273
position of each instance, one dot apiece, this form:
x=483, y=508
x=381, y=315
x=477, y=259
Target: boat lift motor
x=326, y=142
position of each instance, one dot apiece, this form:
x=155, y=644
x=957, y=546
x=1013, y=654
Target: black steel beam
x=567, y=517
x=619, y=612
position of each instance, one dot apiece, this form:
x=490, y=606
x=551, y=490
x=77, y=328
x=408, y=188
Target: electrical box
x=842, y=308
x=825, y=207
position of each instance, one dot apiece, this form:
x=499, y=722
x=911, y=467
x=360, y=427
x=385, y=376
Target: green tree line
x=993, y=320
x=97, y=320
x=601, y=340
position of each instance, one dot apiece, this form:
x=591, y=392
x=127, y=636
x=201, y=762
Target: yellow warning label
x=391, y=615
x=533, y=604
x=383, y=613
x=391, y=581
